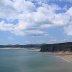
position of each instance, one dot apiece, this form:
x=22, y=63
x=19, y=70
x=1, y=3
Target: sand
x=66, y=56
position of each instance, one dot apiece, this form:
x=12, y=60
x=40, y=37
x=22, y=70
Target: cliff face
x=57, y=47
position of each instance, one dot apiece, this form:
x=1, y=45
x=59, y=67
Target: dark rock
x=56, y=47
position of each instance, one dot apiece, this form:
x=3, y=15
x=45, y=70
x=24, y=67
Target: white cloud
x=35, y=32
x=22, y=5
x=68, y=30
x=70, y=11
x=61, y=19
x=11, y=10
x=6, y=27
x=29, y=15
x=16, y=29
x=44, y=26
x=44, y=14
x=52, y=41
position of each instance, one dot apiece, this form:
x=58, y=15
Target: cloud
x=44, y=14
x=16, y=29
x=35, y=32
x=29, y=15
x=6, y=27
x=69, y=11
x=18, y=9
x=68, y=28
x=22, y=5
x=45, y=26
x=52, y=41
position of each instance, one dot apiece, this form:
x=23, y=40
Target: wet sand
x=66, y=56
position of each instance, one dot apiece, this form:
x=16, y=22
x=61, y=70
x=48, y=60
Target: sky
x=35, y=21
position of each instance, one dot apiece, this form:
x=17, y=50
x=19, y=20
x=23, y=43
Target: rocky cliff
x=56, y=47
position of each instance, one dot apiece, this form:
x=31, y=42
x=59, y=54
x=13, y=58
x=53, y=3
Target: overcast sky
x=35, y=21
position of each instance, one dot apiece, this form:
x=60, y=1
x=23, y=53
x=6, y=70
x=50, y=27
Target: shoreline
x=11, y=48
x=31, y=49
x=66, y=56
x=65, y=59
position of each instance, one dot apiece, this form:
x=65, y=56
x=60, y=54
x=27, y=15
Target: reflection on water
x=30, y=61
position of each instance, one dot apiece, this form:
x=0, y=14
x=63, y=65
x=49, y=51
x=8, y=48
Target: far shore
x=12, y=48
x=30, y=49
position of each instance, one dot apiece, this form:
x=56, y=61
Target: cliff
x=57, y=47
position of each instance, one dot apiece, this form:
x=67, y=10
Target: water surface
x=31, y=61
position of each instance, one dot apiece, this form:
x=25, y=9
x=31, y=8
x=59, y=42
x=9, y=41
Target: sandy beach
x=66, y=56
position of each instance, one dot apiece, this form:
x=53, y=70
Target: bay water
x=21, y=60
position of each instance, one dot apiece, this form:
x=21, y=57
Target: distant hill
x=21, y=46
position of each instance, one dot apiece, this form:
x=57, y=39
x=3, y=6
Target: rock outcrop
x=57, y=47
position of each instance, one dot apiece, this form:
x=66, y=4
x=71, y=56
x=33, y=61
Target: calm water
x=29, y=61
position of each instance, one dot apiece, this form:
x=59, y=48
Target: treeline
x=21, y=46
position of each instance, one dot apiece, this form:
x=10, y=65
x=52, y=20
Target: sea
x=24, y=60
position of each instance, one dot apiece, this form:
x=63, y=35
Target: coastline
x=11, y=48
x=31, y=49
x=66, y=56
